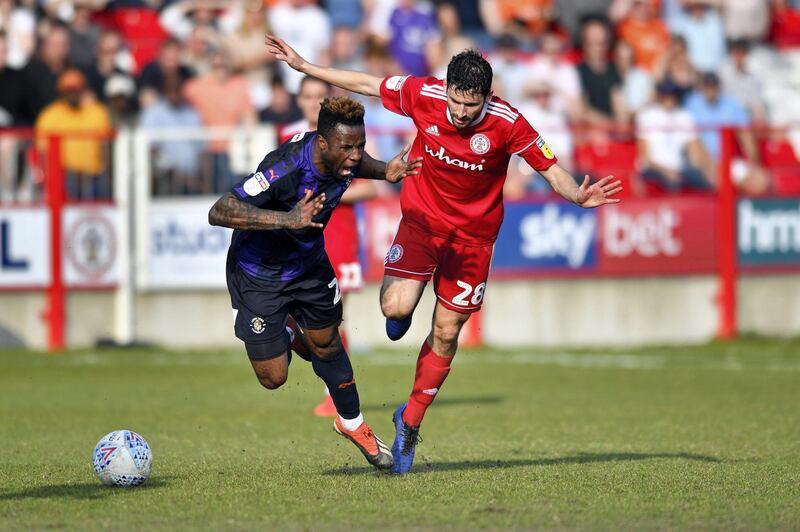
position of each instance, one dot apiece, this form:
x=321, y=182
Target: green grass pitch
x=664, y=438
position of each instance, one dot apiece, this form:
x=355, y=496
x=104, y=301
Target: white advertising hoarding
x=91, y=245
x=24, y=247
x=181, y=250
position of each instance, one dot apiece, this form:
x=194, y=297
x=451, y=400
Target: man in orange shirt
x=84, y=126
x=646, y=33
x=223, y=101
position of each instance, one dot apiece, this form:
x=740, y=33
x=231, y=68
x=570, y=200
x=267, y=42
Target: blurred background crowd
x=637, y=88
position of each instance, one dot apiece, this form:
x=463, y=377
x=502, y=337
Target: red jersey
x=458, y=194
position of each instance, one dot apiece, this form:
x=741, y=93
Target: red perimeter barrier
x=55, y=313
x=727, y=240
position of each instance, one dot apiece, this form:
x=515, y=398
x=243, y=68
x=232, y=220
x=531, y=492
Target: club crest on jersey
x=480, y=143
x=256, y=184
x=257, y=325
x=544, y=148
x=395, y=83
x=395, y=253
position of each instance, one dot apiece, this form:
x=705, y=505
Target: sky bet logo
x=553, y=233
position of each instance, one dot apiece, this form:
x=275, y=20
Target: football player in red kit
x=452, y=210
x=341, y=233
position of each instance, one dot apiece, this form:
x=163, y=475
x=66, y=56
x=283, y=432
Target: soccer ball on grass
x=122, y=458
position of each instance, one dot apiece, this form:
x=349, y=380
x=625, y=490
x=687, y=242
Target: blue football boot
x=405, y=443
x=396, y=329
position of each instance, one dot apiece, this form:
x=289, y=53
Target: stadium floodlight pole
x=54, y=179
x=727, y=240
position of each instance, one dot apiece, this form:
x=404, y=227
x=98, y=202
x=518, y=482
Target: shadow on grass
x=581, y=458
x=82, y=490
x=445, y=402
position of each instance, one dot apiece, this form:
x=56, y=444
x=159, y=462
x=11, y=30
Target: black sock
x=337, y=372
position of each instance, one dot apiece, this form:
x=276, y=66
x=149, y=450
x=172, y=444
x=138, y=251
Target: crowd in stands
x=637, y=88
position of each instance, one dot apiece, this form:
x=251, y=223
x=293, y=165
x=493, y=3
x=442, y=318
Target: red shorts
x=459, y=270
x=341, y=245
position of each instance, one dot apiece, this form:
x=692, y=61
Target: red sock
x=432, y=370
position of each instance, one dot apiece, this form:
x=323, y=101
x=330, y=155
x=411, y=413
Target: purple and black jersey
x=279, y=183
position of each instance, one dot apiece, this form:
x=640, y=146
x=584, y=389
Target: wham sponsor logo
x=442, y=156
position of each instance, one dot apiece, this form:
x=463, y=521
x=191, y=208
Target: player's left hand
x=398, y=167
x=599, y=193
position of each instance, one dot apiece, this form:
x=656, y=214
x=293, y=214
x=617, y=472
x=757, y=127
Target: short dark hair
x=470, y=72
x=339, y=110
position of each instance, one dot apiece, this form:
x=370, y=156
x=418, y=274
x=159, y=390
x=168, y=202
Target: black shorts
x=261, y=309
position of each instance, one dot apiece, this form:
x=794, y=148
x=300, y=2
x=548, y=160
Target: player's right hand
x=281, y=51
x=301, y=216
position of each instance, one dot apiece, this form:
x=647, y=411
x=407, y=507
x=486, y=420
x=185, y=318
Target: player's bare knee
x=273, y=381
x=446, y=333
x=327, y=349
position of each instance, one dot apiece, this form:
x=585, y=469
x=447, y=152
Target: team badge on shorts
x=480, y=143
x=395, y=253
x=257, y=325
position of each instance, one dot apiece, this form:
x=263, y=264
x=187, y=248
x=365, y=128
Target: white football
x=122, y=458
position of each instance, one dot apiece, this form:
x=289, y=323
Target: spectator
x=676, y=67
x=345, y=13
x=83, y=36
x=637, y=85
x=388, y=132
x=180, y=18
x=571, y=14
x=450, y=42
x=43, y=71
x=84, y=126
x=551, y=121
x=176, y=162
x=701, y=26
x=471, y=22
x=563, y=87
x=746, y=19
x=306, y=26
x=245, y=46
x=198, y=47
x=600, y=81
x=740, y=83
x=377, y=14
x=712, y=110
x=16, y=106
x=14, y=111
x=120, y=95
x=312, y=92
x=346, y=50
x=282, y=108
x=110, y=59
x=509, y=66
x=223, y=101
x=645, y=32
x=167, y=65
x=525, y=19
x=19, y=24
x=411, y=26
x=137, y=22
x=670, y=153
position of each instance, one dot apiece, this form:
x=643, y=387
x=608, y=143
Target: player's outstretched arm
x=393, y=171
x=350, y=80
x=585, y=195
x=230, y=211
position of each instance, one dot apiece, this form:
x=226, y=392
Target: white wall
x=579, y=312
